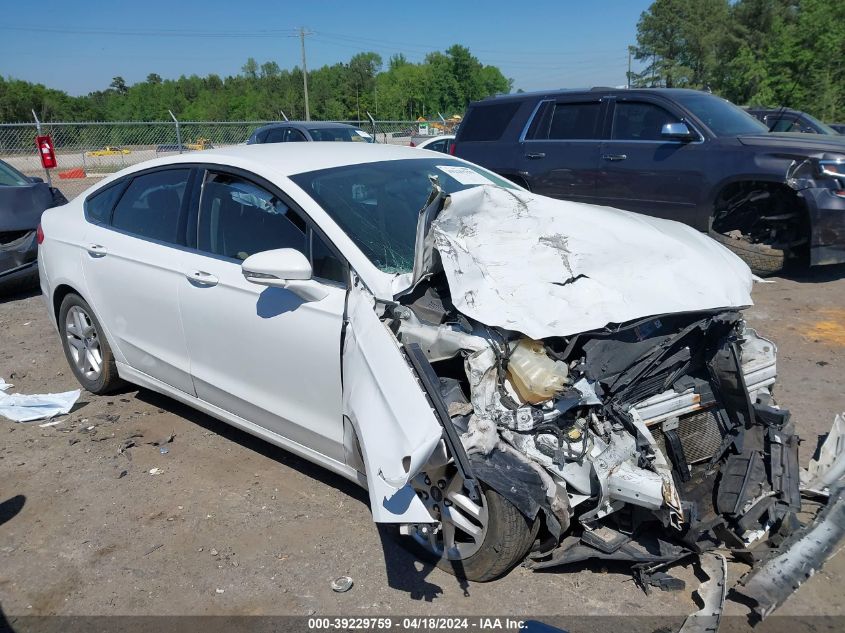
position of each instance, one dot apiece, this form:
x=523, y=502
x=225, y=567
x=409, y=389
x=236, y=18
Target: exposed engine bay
x=644, y=441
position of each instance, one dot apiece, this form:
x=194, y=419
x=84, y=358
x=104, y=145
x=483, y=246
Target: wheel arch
x=61, y=291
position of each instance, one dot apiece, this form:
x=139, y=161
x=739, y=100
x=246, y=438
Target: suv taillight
x=39, y=234
x=452, y=148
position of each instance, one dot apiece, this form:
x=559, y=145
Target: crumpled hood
x=547, y=267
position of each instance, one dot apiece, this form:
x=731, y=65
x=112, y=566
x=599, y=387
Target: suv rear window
x=488, y=122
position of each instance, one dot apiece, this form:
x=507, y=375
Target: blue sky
x=79, y=46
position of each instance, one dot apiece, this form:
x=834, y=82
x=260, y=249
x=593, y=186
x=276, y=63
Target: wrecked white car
x=514, y=379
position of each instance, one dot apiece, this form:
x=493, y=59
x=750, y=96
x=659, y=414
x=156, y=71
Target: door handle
x=614, y=157
x=202, y=278
x=536, y=155
x=97, y=250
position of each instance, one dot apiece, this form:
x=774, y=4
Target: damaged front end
x=645, y=441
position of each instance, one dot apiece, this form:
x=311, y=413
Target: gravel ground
x=231, y=525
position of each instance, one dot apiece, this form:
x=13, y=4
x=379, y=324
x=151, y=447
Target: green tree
x=118, y=84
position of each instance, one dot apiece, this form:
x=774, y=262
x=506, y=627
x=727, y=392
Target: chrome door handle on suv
x=614, y=157
x=96, y=250
x=536, y=155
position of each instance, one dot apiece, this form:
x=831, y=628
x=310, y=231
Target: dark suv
x=679, y=154
x=787, y=120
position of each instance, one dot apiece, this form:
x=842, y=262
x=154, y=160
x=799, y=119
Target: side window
x=437, y=146
x=574, y=121
x=238, y=218
x=488, y=122
x=151, y=204
x=639, y=121
x=324, y=262
x=276, y=135
x=99, y=206
x=295, y=136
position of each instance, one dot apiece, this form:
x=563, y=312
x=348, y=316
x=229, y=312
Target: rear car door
x=560, y=147
x=262, y=354
x=132, y=270
x=642, y=171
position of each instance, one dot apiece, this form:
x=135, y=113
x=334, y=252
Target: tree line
x=752, y=52
x=444, y=82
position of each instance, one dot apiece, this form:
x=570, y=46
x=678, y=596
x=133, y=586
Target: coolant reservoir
x=535, y=376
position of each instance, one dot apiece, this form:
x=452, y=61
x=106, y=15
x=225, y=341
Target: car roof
x=518, y=96
x=289, y=159
x=307, y=125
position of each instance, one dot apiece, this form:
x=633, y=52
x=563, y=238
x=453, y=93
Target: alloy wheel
x=463, y=522
x=83, y=343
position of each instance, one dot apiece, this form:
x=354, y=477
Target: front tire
x=479, y=541
x=87, y=351
x=762, y=259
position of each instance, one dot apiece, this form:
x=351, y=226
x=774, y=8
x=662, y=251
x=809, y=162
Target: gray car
x=300, y=131
x=22, y=200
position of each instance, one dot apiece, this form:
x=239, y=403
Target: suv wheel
x=762, y=259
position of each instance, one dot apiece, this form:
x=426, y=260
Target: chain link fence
x=87, y=152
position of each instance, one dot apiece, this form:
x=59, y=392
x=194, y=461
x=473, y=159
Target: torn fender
x=396, y=427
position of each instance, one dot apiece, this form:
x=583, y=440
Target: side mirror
x=35, y=179
x=283, y=268
x=677, y=131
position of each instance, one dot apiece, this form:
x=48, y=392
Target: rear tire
x=761, y=258
x=87, y=351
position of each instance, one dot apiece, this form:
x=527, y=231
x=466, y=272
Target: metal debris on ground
x=712, y=593
x=342, y=584
x=163, y=450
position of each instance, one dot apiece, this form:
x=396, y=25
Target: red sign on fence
x=46, y=151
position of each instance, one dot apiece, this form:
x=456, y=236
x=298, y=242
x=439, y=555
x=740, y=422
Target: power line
x=123, y=32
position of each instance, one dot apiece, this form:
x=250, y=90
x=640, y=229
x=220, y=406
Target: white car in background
x=504, y=372
x=442, y=143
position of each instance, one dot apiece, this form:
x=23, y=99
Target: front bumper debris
x=801, y=555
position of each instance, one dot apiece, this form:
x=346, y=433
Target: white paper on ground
x=548, y=267
x=28, y=407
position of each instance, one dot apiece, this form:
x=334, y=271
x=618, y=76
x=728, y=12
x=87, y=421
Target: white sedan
x=442, y=143
x=504, y=372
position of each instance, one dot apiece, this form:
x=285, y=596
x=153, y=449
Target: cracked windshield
x=377, y=204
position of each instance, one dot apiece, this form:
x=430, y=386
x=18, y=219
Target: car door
x=133, y=273
x=263, y=354
x=560, y=148
x=642, y=171
x=393, y=419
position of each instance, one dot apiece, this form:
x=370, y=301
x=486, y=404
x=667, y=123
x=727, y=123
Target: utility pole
x=302, y=34
x=630, y=49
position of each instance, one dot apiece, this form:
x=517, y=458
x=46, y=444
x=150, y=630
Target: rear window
x=151, y=205
x=99, y=206
x=488, y=122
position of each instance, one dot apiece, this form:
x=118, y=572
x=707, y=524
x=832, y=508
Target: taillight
x=452, y=149
x=412, y=144
x=39, y=234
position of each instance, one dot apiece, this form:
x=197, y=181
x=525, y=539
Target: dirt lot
x=232, y=525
